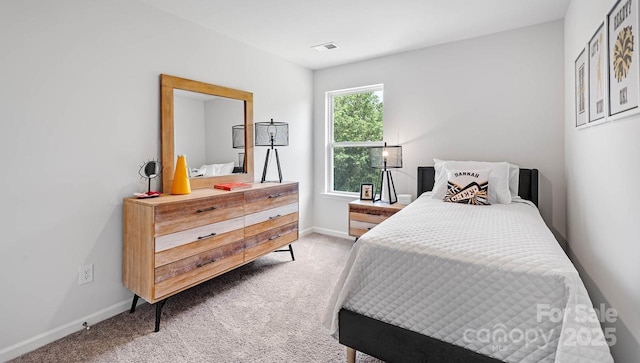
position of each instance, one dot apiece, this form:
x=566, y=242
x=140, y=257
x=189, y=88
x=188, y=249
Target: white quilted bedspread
x=491, y=279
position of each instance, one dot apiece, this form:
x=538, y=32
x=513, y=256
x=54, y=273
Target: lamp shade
x=237, y=136
x=385, y=157
x=272, y=133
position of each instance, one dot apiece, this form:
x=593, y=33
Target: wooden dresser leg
x=134, y=303
x=159, y=306
x=351, y=355
x=293, y=258
x=290, y=250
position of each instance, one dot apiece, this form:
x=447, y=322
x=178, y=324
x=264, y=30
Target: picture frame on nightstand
x=366, y=191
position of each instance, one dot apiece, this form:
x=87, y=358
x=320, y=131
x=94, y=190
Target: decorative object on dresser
x=181, y=177
x=174, y=242
x=232, y=186
x=364, y=215
x=149, y=170
x=272, y=134
x=386, y=157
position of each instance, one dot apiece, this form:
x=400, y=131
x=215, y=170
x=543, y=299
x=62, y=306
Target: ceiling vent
x=326, y=46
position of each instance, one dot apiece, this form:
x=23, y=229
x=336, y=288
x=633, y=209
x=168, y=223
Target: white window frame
x=330, y=144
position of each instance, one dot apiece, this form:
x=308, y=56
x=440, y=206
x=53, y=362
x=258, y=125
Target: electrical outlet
x=85, y=274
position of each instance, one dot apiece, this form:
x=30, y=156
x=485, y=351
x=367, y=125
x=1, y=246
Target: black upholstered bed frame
x=394, y=344
x=527, y=188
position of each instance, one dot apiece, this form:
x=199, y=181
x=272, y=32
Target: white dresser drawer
x=195, y=234
x=270, y=214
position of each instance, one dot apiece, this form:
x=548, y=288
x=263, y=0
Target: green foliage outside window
x=357, y=117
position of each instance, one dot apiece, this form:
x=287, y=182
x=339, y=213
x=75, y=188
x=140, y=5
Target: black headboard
x=527, y=189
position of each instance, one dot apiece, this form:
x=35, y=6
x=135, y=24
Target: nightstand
x=366, y=214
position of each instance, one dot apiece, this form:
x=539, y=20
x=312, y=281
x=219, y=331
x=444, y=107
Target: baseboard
x=331, y=232
x=52, y=335
x=306, y=232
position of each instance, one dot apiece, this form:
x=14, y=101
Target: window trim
x=330, y=144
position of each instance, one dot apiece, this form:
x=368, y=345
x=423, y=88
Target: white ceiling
x=362, y=29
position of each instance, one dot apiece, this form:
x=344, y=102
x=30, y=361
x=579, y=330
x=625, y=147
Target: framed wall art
x=581, y=89
x=597, y=75
x=622, y=58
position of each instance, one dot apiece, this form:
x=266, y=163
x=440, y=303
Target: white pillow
x=498, y=178
x=217, y=169
x=201, y=171
x=468, y=186
x=226, y=168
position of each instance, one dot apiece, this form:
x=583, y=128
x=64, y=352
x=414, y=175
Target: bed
x=439, y=282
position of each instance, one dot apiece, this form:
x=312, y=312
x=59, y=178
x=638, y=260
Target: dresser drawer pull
x=205, y=209
x=276, y=216
x=275, y=195
x=207, y=236
x=274, y=237
x=205, y=263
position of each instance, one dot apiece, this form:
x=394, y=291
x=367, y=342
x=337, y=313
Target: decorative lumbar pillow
x=468, y=187
x=499, y=192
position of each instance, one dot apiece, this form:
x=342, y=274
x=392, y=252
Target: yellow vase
x=181, y=177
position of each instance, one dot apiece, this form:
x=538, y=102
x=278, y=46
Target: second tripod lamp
x=271, y=134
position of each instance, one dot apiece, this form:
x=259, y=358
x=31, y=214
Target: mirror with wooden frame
x=197, y=120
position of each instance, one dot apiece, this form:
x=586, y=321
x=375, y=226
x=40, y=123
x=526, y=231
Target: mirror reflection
x=203, y=132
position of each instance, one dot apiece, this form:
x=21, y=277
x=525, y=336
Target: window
x=354, y=121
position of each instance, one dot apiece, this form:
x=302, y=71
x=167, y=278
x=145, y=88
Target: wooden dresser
x=174, y=242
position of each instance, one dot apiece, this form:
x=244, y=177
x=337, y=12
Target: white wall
x=497, y=97
x=189, y=138
x=221, y=115
x=79, y=106
x=602, y=202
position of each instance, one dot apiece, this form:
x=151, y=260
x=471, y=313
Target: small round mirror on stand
x=149, y=170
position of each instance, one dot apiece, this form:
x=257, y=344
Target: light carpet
x=266, y=311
